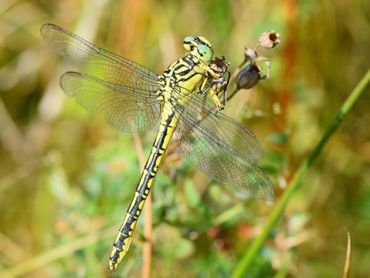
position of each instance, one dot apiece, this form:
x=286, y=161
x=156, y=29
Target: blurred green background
x=66, y=177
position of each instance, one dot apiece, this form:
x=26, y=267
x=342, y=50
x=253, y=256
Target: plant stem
x=59, y=252
x=294, y=184
x=347, y=264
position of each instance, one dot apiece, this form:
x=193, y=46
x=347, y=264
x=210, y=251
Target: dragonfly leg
x=220, y=106
x=207, y=87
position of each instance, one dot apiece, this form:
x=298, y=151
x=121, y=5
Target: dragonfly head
x=199, y=47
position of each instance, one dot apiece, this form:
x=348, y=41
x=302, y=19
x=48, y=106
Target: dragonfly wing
x=97, y=62
x=120, y=89
x=222, y=148
x=231, y=134
x=128, y=109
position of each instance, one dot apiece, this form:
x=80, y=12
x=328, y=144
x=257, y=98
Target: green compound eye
x=205, y=52
x=188, y=39
x=188, y=43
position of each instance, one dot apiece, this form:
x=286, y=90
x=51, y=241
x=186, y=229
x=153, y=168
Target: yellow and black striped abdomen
x=123, y=240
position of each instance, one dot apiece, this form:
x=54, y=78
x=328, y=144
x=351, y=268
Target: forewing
x=128, y=109
x=97, y=62
x=222, y=148
x=122, y=90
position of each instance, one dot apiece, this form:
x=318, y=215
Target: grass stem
x=247, y=259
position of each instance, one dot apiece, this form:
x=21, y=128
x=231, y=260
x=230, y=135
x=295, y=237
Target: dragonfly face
x=199, y=47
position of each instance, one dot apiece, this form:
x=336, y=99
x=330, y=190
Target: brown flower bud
x=248, y=77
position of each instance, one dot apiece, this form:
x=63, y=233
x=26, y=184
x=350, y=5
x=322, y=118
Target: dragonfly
x=134, y=99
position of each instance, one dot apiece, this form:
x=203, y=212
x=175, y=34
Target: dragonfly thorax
x=183, y=78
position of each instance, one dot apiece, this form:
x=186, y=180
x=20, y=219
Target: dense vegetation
x=66, y=177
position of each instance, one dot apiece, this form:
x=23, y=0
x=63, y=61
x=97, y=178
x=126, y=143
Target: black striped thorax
x=184, y=75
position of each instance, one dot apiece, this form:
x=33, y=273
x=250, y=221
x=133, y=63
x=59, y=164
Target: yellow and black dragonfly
x=134, y=99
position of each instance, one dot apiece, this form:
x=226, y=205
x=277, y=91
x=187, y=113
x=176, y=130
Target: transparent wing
x=96, y=61
x=120, y=80
x=222, y=148
x=125, y=108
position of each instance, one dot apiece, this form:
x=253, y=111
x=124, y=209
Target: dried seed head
x=248, y=77
x=250, y=53
x=269, y=39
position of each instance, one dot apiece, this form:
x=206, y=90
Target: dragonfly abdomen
x=123, y=240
